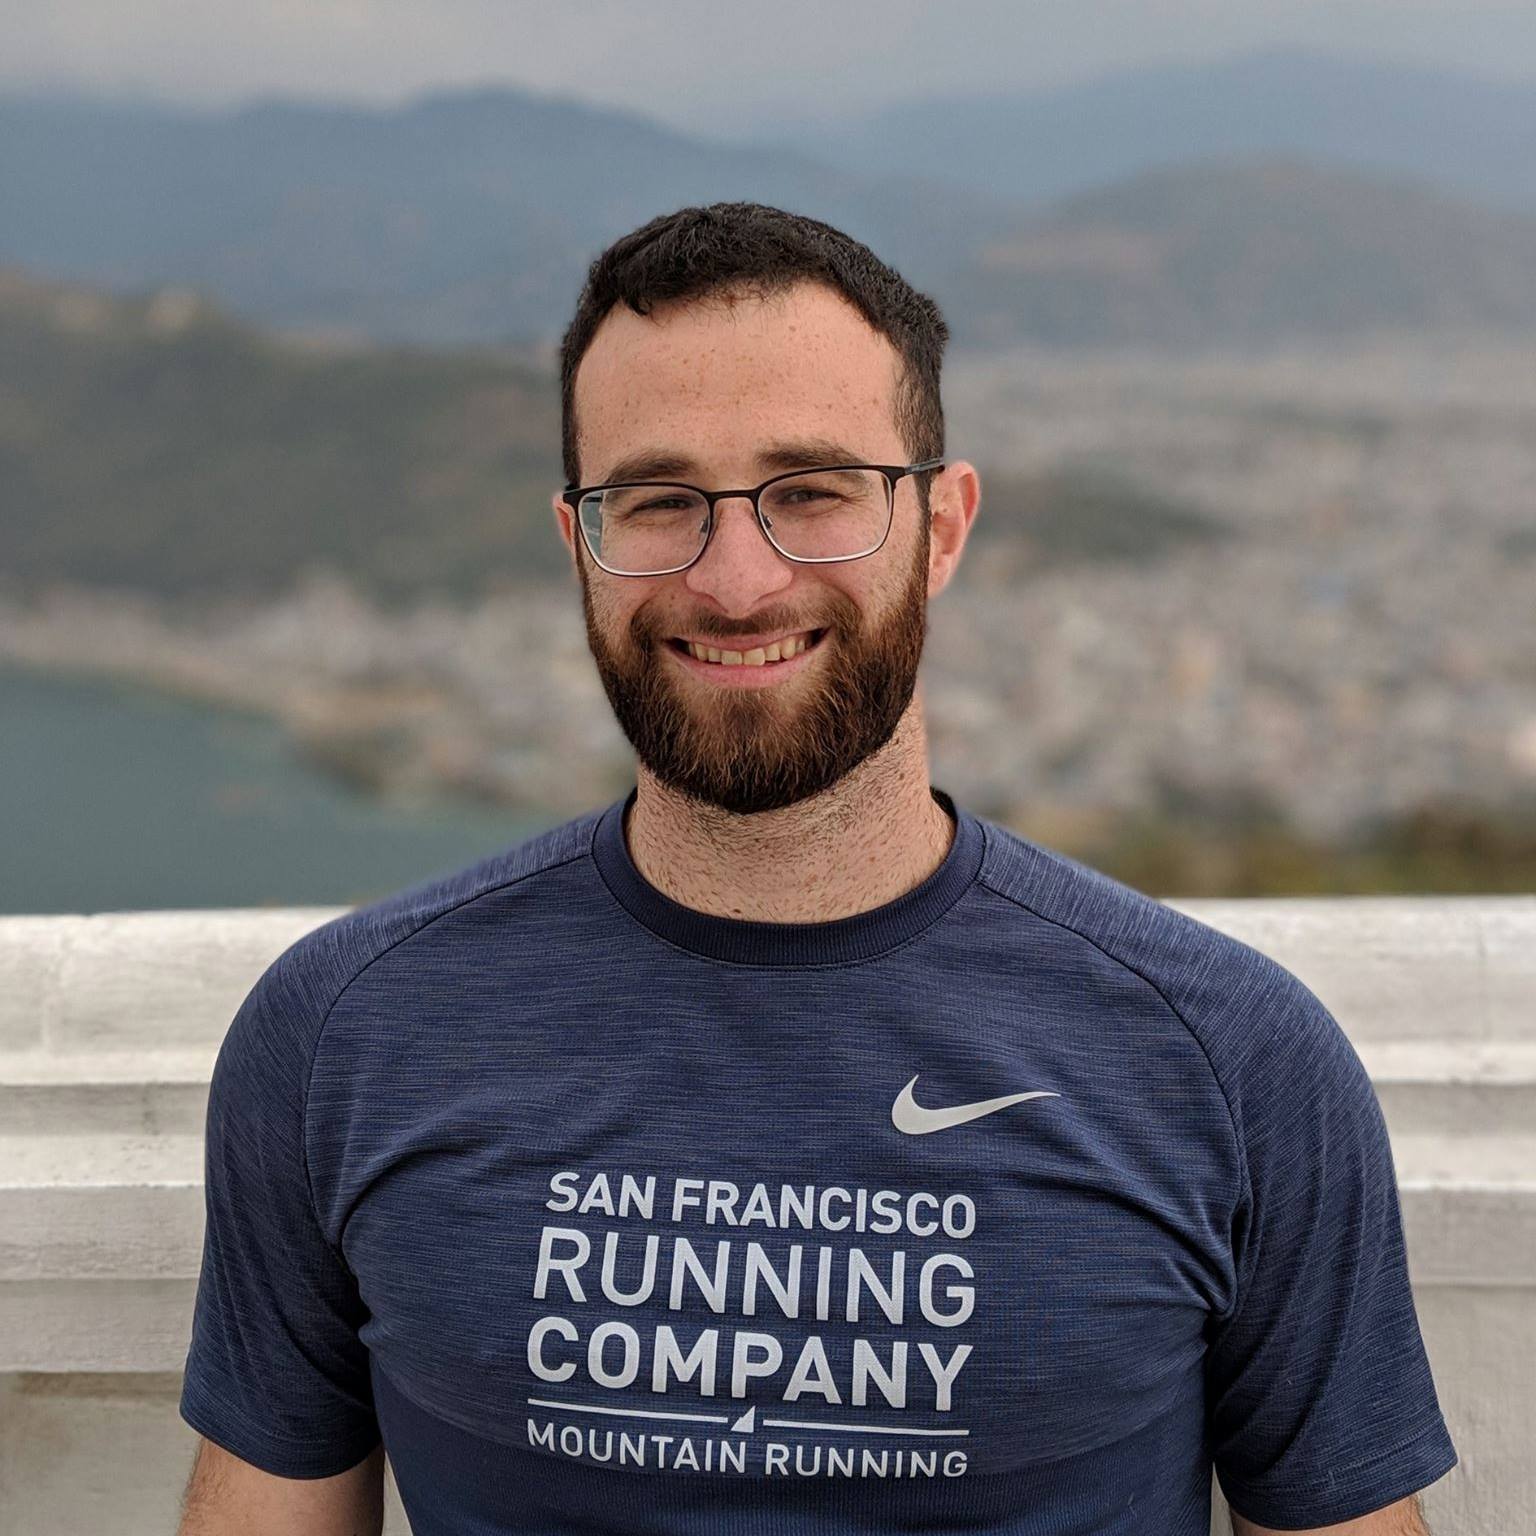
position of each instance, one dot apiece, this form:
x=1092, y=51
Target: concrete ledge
x=86, y=1221
x=119, y=981
x=1453, y=1088
x=1398, y=968
x=104, y=1327
x=44, y=1093
x=110, y=1024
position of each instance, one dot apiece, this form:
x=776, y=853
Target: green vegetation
x=1243, y=252
x=1077, y=515
x=205, y=460
x=1519, y=544
x=196, y=459
x=1446, y=848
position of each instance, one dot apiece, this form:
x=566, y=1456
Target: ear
x=954, y=495
x=565, y=521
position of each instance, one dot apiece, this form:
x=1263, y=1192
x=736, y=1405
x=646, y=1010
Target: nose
x=740, y=568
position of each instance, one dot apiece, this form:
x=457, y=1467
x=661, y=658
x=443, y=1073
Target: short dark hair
x=699, y=251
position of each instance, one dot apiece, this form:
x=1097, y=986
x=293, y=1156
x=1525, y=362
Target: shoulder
x=1236, y=1000
x=304, y=982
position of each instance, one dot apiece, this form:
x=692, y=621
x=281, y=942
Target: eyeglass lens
x=825, y=514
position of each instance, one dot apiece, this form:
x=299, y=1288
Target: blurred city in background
x=1244, y=348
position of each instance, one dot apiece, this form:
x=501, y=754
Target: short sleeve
x=1321, y=1404
x=275, y=1372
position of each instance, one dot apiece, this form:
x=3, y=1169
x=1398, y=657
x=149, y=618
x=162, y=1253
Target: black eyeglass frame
x=574, y=495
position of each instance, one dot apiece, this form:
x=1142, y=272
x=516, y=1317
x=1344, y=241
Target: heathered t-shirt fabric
x=608, y=1215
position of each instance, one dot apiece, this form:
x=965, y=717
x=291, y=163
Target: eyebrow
x=800, y=453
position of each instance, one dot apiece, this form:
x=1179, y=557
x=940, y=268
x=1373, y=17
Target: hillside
x=1225, y=253
x=153, y=444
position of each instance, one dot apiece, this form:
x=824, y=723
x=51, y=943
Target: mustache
x=838, y=613
x=646, y=631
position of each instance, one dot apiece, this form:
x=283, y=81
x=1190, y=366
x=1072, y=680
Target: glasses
x=811, y=516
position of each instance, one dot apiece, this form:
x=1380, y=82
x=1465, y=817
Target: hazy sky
x=708, y=64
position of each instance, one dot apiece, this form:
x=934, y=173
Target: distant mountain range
x=459, y=218
x=1468, y=135
x=1211, y=206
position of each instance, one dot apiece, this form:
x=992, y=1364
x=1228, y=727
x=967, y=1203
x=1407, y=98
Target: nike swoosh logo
x=910, y=1116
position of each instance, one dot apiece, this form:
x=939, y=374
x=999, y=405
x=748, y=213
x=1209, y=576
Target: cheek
x=880, y=590
x=605, y=611
x=621, y=609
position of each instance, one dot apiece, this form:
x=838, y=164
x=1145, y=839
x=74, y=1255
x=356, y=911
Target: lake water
x=117, y=798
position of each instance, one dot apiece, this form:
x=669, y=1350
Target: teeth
x=780, y=650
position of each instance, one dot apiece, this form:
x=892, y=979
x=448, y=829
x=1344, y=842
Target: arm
x=226, y=1496
x=277, y=1376
x=1322, y=1402
x=1404, y=1518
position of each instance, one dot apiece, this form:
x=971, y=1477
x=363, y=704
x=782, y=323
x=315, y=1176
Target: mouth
x=781, y=651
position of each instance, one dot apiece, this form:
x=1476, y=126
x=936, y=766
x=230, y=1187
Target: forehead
x=708, y=377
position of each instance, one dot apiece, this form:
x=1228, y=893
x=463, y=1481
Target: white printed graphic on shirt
x=881, y=1397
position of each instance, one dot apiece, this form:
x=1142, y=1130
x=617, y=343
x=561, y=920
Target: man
x=782, y=1146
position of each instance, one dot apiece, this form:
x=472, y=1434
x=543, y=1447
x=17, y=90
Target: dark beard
x=745, y=751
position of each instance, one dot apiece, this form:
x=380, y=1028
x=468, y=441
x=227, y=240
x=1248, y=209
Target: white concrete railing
x=109, y=1025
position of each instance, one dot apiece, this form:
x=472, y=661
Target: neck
x=873, y=836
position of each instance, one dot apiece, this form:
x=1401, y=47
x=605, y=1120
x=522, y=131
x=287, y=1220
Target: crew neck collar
x=860, y=936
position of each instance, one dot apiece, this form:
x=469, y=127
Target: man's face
x=714, y=387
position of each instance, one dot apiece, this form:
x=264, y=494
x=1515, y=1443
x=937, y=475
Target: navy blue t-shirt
x=1012, y=1205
